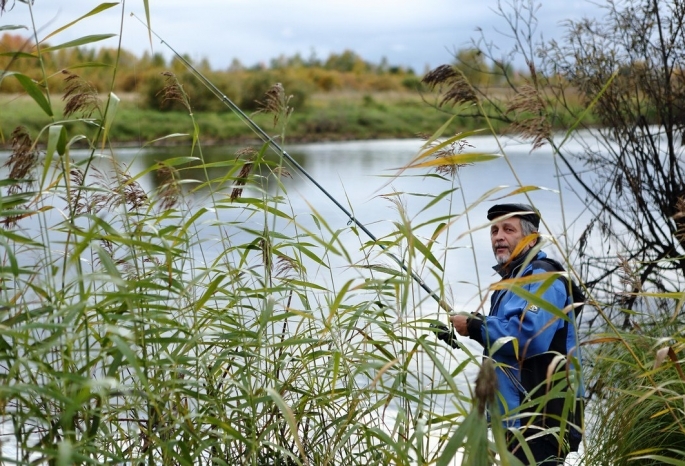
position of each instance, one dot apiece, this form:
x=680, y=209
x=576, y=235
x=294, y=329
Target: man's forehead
x=511, y=221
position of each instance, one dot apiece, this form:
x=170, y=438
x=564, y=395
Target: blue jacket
x=541, y=337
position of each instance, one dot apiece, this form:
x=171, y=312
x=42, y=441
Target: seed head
x=276, y=102
x=440, y=75
x=22, y=160
x=169, y=189
x=131, y=192
x=80, y=96
x=486, y=385
x=531, y=121
x=456, y=147
x=173, y=91
x=458, y=88
x=248, y=153
x=285, y=264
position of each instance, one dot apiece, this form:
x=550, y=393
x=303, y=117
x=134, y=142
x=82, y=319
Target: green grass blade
x=94, y=11
x=79, y=42
x=33, y=90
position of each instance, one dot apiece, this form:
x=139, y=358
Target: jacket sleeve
x=532, y=327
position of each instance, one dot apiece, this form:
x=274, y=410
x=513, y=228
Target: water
x=363, y=176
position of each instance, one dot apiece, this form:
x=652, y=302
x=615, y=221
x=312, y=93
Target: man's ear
x=528, y=241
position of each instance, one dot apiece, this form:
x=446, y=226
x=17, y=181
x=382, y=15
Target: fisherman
x=542, y=336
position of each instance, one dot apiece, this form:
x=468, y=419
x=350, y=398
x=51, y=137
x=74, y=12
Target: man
x=542, y=337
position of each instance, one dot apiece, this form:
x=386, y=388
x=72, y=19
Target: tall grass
x=140, y=327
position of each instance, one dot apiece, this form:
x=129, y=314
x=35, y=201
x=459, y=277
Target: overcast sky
x=413, y=33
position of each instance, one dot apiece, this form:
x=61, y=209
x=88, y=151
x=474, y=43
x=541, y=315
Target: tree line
x=245, y=85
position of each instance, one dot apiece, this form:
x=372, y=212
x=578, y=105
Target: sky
x=420, y=34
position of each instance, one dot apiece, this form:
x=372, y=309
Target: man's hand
x=446, y=334
x=459, y=322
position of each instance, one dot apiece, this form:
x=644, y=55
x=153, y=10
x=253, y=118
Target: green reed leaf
x=525, y=189
x=110, y=113
x=88, y=64
x=661, y=459
x=440, y=131
x=168, y=136
x=535, y=299
x=79, y=42
x=98, y=9
x=442, y=145
x=287, y=413
x=18, y=55
x=130, y=357
x=65, y=453
x=146, y=4
x=32, y=89
x=209, y=292
x=57, y=141
x=456, y=441
x=500, y=342
x=12, y=27
x=457, y=159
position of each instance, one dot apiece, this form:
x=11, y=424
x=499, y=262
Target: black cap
x=499, y=210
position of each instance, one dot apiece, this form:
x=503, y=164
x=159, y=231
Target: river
x=366, y=178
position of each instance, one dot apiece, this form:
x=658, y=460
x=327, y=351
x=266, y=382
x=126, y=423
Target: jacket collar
x=510, y=269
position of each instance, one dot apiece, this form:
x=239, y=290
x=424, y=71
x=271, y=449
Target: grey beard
x=501, y=260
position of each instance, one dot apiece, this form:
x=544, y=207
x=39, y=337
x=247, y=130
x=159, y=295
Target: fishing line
x=278, y=149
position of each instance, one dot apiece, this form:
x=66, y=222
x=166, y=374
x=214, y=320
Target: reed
x=184, y=323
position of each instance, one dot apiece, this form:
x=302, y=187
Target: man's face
x=505, y=236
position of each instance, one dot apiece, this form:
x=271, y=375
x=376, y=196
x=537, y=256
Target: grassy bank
x=327, y=117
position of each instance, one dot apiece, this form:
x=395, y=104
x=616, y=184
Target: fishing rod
x=277, y=148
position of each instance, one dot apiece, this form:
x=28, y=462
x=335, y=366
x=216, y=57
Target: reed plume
x=23, y=159
x=459, y=90
x=455, y=148
x=486, y=386
x=285, y=265
x=129, y=190
x=80, y=96
x=249, y=154
x=276, y=102
x=169, y=189
x=530, y=116
x=173, y=91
